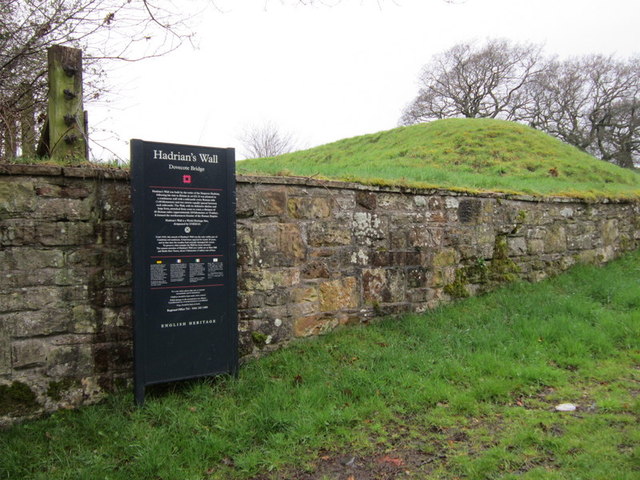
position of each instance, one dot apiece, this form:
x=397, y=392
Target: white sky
x=326, y=73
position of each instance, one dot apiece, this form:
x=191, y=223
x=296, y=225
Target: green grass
x=464, y=154
x=465, y=391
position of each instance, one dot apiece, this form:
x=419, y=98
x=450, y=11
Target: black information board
x=184, y=241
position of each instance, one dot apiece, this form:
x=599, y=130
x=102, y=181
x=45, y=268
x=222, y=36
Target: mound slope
x=462, y=154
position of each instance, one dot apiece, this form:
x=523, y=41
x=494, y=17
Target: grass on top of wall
x=465, y=154
x=465, y=391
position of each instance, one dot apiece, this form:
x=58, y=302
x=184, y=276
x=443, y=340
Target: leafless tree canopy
x=105, y=30
x=590, y=102
x=469, y=80
x=266, y=140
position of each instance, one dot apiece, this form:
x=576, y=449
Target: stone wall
x=312, y=255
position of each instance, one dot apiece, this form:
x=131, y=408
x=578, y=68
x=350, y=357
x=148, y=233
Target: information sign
x=184, y=241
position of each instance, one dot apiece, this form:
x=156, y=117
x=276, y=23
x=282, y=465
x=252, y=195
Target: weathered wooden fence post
x=67, y=136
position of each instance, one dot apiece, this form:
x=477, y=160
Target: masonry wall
x=311, y=256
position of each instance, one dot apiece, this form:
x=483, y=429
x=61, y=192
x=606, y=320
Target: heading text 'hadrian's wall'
x=311, y=256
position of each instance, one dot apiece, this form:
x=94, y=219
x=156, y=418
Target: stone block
x=366, y=200
x=277, y=245
x=338, y=294
x=315, y=269
x=65, y=233
x=399, y=239
x=422, y=236
x=29, y=353
x=374, y=286
x=314, y=325
x=29, y=258
x=310, y=207
x=75, y=361
x=17, y=197
x=445, y=257
x=52, y=190
x=114, y=233
x=516, y=246
x=17, y=232
x=270, y=203
x=304, y=293
x=302, y=309
x=610, y=232
x=535, y=246
x=469, y=210
x=417, y=277
x=116, y=317
x=31, y=299
x=555, y=240
x=114, y=199
x=71, y=209
x=46, y=321
x=328, y=234
x=368, y=228
x=266, y=279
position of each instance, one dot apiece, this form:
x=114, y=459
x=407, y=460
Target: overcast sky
x=326, y=73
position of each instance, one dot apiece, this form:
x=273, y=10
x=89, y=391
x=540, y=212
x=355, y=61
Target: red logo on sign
x=186, y=179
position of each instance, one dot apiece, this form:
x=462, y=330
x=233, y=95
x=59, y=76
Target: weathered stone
x=445, y=257
x=610, y=232
x=469, y=210
x=306, y=293
x=271, y=203
x=328, y=234
x=315, y=269
x=338, y=294
x=517, y=246
x=417, y=277
x=309, y=207
x=46, y=321
x=555, y=240
x=257, y=279
x=65, y=233
x=367, y=228
x=30, y=258
x=374, y=286
x=16, y=197
x=29, y=353
x=70, y=361
x=64, y=209
x=366, y=200
x=314, y=325
x=278, y=245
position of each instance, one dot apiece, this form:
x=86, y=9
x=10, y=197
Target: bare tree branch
x=266, y=140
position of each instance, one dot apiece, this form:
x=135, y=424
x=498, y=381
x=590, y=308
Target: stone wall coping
x=110, y=173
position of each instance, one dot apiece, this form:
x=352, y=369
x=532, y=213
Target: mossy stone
x=17, y=398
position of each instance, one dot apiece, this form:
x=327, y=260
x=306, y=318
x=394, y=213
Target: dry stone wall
x=312, y=255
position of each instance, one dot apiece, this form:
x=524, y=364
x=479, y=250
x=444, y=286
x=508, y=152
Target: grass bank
x=463, y=154
x=466, y=391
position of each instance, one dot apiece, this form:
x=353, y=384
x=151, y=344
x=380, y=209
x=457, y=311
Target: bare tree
x=266, y=140
x=591, y=102
x=126, y=30
x=471, y=80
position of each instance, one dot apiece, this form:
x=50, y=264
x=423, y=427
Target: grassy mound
x=462, y=154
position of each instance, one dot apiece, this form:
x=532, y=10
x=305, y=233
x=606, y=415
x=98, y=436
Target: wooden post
x=67, y=134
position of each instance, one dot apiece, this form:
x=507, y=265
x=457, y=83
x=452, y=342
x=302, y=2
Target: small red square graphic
x=186, y=179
